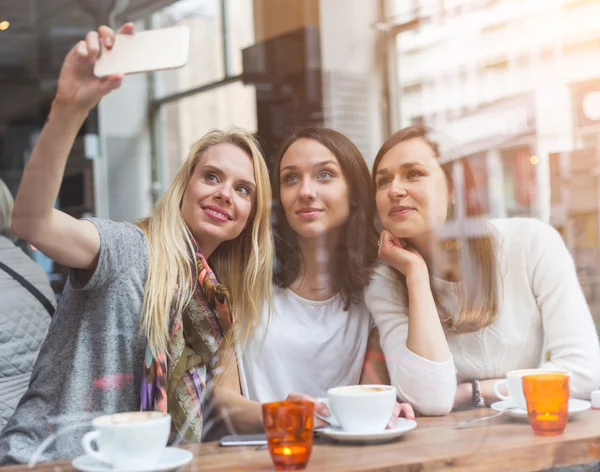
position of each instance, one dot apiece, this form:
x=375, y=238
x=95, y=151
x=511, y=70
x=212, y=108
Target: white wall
x=353, y=79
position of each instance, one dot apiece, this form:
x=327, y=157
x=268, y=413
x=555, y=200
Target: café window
x=478, y=164
x=519, y=165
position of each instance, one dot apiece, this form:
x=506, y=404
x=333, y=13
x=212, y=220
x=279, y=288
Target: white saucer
x=575, y=406
x=172, y=458
x=402, y=426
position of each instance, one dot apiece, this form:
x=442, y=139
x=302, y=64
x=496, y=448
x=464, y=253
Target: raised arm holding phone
x=71, y=242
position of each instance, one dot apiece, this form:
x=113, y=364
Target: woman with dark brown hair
x=318, y=334
x=467, y=298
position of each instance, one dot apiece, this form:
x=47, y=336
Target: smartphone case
x=147, y=51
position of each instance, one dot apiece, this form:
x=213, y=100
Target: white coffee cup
x=128, y=441
x=514, y=385
x=360, y=408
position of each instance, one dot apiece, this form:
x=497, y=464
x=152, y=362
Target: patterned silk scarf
x=177, y=383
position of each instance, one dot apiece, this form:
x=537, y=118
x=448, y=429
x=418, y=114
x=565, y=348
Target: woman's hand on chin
x=401, y=256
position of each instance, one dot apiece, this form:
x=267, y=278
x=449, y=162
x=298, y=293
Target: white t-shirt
x=309, y=347
x=543, y=310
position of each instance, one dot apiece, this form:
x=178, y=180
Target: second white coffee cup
x=514, y=385
x=360, y=408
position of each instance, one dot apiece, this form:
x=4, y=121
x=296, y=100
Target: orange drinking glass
x=289, y=427
x=547, y=397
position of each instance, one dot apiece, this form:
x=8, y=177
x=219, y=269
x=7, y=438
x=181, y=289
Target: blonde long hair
x=479, y=297
x=244, y=265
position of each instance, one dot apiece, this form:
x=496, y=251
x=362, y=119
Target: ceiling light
x=4, y=25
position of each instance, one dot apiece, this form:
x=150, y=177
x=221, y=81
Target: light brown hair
x=479, y=297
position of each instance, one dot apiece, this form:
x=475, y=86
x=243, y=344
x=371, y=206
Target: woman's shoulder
x=123, y=250
x=383, y=283
x=122, y=236
x=525, y=230
x=530, y=240
x=116, y=229
x=521, y=225
x=382, y=272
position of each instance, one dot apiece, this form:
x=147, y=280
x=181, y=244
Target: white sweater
x=542, y=310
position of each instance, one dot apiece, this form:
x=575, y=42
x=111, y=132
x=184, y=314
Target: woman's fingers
x=394, y=417
x=82, y=50
x=401, y=409
x=319, y=423
x=295, y=397
x=320, y=408
x=386, y=236
x=407, y=411
x=127, y=28
x=107, y=36
x=384, y=240
x=92, y=42
x=108, y=84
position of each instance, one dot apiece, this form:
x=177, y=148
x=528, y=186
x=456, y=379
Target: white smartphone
x=244, y=440
x=147, y=51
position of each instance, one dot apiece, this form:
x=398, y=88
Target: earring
x=453, y=244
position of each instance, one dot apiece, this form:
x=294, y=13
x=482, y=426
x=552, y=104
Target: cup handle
x=497, y=385
x=330, y=419
x=87, y=441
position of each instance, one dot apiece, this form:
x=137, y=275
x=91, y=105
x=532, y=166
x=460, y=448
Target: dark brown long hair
x=479, y=297
x=351, y=265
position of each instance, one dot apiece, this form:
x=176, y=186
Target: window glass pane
x=185, y=121
x=205, y=62
x=240, y=31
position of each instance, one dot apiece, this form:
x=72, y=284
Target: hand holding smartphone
x=96, y=65
x=147, y=51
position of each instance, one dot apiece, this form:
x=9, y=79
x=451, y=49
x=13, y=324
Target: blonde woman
x=139, y=294
x=472, y=308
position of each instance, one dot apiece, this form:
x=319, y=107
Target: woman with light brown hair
x=463, y=297
x=163, y=288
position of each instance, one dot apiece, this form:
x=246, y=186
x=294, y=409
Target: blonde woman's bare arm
x=241, y=415
x=70, y=242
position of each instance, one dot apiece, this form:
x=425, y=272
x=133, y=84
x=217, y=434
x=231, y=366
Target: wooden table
x=500, y=444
